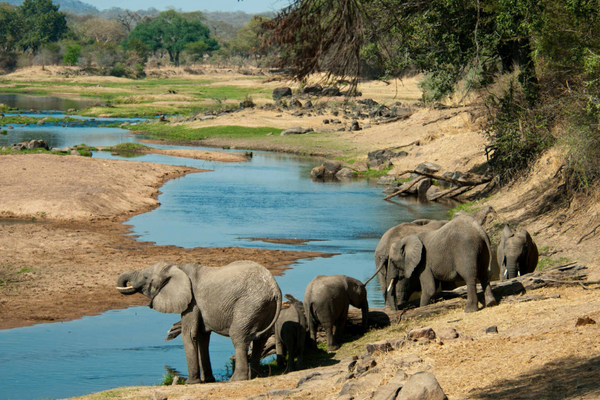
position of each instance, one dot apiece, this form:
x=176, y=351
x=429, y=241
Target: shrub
x=8, y=61
x=72, y=54
x=118, y=70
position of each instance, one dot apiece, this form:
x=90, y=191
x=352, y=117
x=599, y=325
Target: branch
x=413, y=183
x=455, y=191
x=459, y=182
x=593, y=231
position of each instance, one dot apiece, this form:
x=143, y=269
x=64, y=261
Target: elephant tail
x=272, y=324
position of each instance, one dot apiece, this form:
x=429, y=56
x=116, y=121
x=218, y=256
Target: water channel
x=270, y=196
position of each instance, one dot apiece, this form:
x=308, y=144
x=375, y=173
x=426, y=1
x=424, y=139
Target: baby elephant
x=517, y=253
x=290, y=334
x=326, y=301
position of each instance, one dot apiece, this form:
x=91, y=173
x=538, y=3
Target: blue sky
x=249, y=6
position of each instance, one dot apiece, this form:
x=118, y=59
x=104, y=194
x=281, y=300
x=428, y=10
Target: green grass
x=373, y=173
x=466, y=207
x=168, y=379
x=181, y=132
x=129, y=147
x=548, y=262
x=34, y=151
x=20, y=119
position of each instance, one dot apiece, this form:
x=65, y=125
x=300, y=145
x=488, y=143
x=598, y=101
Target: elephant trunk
x=512, y=269
x=124, y=279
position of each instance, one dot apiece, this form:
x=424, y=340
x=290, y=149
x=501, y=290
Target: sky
x=249, y=6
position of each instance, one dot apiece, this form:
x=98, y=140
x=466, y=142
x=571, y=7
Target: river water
x=270, y=196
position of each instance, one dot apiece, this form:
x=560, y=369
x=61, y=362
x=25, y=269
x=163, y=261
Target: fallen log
x=410, y=185
x=481, y=179
x=456, y=191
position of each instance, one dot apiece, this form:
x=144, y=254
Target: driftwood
x=453, y=192
x=394, y=119
x=410, y=185
x=454, y=114
x=403, y=145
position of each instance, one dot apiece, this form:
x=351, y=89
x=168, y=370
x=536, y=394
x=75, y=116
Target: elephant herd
x=243, y=301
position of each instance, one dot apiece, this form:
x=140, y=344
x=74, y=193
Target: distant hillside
x=237, y=19
x=68, y=6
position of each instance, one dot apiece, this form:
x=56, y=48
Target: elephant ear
x=412, y=249
x=174, y=293
x=506, y=232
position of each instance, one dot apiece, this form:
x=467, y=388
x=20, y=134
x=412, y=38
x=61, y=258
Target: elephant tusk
x=390, y=286
x=125, y=288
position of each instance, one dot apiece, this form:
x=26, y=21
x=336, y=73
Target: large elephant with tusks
x=240, y=300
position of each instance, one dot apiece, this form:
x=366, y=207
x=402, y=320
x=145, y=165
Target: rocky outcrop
x=384, y=156
x=297, y=130
x=280, y=92
x=331, y=170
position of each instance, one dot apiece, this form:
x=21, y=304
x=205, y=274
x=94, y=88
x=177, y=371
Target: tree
x=10, y=27
x=72, y=54
x=100, y=30
x=247, y=41
x=172, y=31
x=42, y=23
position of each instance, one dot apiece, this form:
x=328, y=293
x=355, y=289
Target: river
x=270, y=196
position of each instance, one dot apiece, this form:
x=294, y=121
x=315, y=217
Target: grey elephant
x=404, y=288
x=240, y=300
x=326, y=301
x=517, y=253
x=290, y=334
x=459, y=249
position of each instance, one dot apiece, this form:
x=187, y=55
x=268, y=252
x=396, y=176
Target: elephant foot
x=192, y=381
x=238, y=377
x=470, y=309
x=491, y=303
x=209, y=379
x=334, y=347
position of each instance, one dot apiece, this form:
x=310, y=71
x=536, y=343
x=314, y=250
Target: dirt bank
x=64, y=264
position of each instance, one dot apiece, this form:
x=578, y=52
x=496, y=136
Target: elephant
x=290, y=334
x=459, y=249
x=240, y=300
x=403, y=289
x=517, y=253
x=326, y=301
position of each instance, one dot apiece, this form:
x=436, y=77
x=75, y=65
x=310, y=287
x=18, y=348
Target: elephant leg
x=312, y=328
x=189, y=337
x=331, y=344
x=258, y=346
x=339, y=326
x=206, y=374
x=292, y=354
x=280, y=351
x=241, y=359
x=301, y=342
x=490, y=300
x=428, y=287
x=471, y=295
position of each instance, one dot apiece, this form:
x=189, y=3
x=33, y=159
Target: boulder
x=381, y=156
x=75, y=153
x=17, y=147
x=368, y=102
x=308, y=104
x=297, y=130
x=426, y=332
x=296, y=103
x=446, y=184
x=381, y=346
x=325, y=121
x=386, y=180
x=433, y=190
x=361, y=166
x=280, y=92
x=406, y=360
x=331, y=91
x=37, y=144
x=355, y=126
x=447, y=334
x=427, y=167
x=344, y=173
x=314, y=89
x=422, y=386
x=423, y=187
x=317, y=172
x=391, y=389
x=333, y=166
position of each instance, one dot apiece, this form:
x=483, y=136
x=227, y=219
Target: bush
x=72, y=54
x=118, y=70
x=8, y=61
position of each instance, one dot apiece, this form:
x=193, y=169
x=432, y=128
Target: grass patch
x=373, y=173
x=466, y=207
x=181, y=132
x=168, y=378
x=548, y=262
x=129, y=147
x=34, y=151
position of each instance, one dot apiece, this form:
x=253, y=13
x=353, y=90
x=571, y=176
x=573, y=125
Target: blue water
x=270, y=196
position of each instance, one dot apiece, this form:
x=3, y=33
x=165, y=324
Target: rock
x=325, y=121
x=247, y=104
x=344, y=173
x=433, y=190
x=352, y=365
x=312, y=89
x=75, y=153
x=71, y=110
x=427, y=167
x=391, y=389
x=345, y=397
x=446, y=184
x=318, y=172
x=422, y=386
x=423, y=187
x=366, y=126
x=364, y=365
x=10, y=127
x=308, y=104
x=270, y=134
x=386, y=180
x=297, y=130
x=333, y=166
x=406, y=360
x=361, y=166
x=381, y=156
x=331, y=91
x=492, y=329
x=355, y=126
x=426, y=332
x=447, y=334
x=381, y=346
x=368, y=102
x=37, y=144
x=296, y=103
x=280, y=92
x=585, y=320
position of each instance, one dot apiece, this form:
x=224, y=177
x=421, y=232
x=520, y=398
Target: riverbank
x=65, y=241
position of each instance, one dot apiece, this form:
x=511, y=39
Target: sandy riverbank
x=63, y=265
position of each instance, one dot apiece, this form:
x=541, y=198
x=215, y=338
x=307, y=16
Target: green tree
x=10, y=27
x=172, y=31
x=42, y=23
x=247, y=41
x=72, y=54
